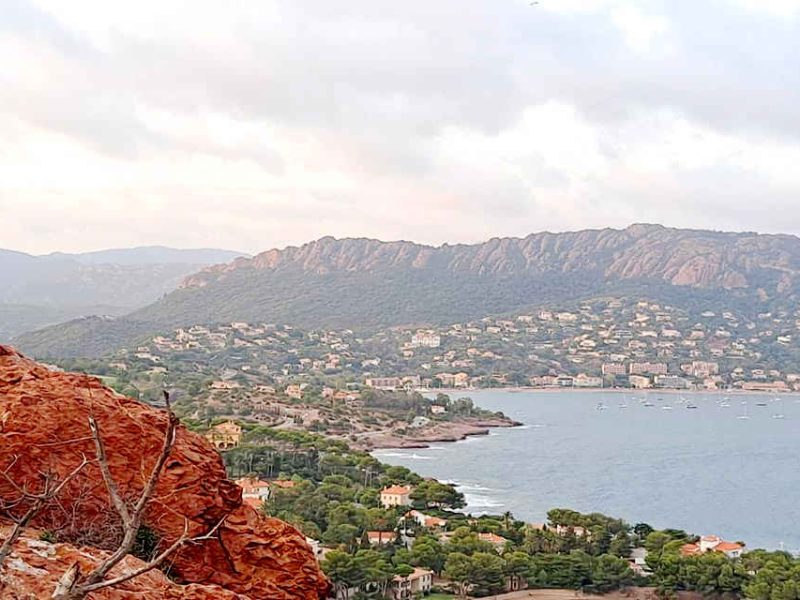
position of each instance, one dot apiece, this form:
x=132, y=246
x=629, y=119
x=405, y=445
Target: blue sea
x=727, y=467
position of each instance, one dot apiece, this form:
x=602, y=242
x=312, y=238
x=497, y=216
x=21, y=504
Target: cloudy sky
x=255, y=124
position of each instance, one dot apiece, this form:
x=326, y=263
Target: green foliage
x=146, y=544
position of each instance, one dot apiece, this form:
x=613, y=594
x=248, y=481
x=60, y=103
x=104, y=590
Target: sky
x=255, y=124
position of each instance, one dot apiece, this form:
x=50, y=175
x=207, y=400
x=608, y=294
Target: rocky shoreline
x=451, y=431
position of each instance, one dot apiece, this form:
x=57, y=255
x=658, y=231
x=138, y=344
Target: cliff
x=44, y=428
x=365, y=284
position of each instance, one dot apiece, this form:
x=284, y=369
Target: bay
x=728, y=468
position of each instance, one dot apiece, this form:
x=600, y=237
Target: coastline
x=577, y=390
x=449, y=431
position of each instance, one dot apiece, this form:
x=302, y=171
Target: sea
x=705, y=463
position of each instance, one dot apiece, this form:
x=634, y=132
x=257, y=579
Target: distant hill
x=362, y=283
x=152, y=255
x=39, y=290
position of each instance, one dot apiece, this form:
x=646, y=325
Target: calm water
x=705, y=470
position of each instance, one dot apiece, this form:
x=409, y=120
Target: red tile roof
x=396, y=489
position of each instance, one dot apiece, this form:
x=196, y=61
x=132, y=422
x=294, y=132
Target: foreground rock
x=35, y=566
x=44, y=429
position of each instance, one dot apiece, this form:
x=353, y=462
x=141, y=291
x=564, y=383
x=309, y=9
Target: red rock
x=44, y=427
x=35, y=566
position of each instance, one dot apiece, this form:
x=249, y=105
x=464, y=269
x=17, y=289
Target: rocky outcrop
x=35, y=566
x=44, y=429
x=693, y=258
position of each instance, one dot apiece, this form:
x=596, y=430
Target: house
x=254, y=491
x=396, y=495
x=613, y=369
x=383, y=383
x=645, y=368
x=425, y=339
x=316, y=549
x=295, y=391
x=588, y=381
x=495, y=540
x=576, y=530
x=424, y=520
x=638, y=562
x=713, y=543
x=416, y=585
x=639, y=382
x=225, y=436
x=224, y=385
x=381, y=538
x=438, y=409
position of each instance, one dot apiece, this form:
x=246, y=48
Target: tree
x=428, y=553
x=342, y=570
x=458, y=569
x=610, y=573
x=517, y=569
x=488, y=573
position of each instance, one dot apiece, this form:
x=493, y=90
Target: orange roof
x=396, y=489
x=434, y=522
x=252, y=483
x=381, y=536
x=492, y=538
x=689, y=549
x=728, y=547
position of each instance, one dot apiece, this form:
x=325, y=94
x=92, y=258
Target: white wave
x=478, y=501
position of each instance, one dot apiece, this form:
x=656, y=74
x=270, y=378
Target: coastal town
x=612, y=343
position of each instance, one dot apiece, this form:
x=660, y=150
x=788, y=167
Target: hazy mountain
x=152, y=255
x=38, y=290
x=362, y=283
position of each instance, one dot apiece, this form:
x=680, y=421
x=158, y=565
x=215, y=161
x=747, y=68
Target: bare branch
x=131, y=519
x=111, y=485
x=38, y=502
x=156, y=562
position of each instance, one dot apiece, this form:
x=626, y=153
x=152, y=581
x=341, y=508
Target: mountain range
x=367, y=284
x=40, y=290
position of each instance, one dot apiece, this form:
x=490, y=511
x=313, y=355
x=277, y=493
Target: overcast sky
x=251, y=125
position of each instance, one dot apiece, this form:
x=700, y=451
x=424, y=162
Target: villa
x=713, y=543
x=396, y=495
x=416, y=585
x=381, y=538
x=424, y=520
x=225, y=436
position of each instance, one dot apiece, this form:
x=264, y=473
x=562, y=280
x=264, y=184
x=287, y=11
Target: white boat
x=779, y=415
x=744, y=416
x=600, y=406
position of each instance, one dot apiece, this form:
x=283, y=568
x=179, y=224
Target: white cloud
x=266, y=123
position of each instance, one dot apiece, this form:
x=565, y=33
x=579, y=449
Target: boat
x=761, y=403
x=600, y=406
x=666, y=407
x=744, y=415
x=648, y=404
x=691, y=406
x=779, y=415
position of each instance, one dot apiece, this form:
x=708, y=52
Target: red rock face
x=44, y=428
x=35, y=566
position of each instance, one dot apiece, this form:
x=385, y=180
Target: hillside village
x=606, y=343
